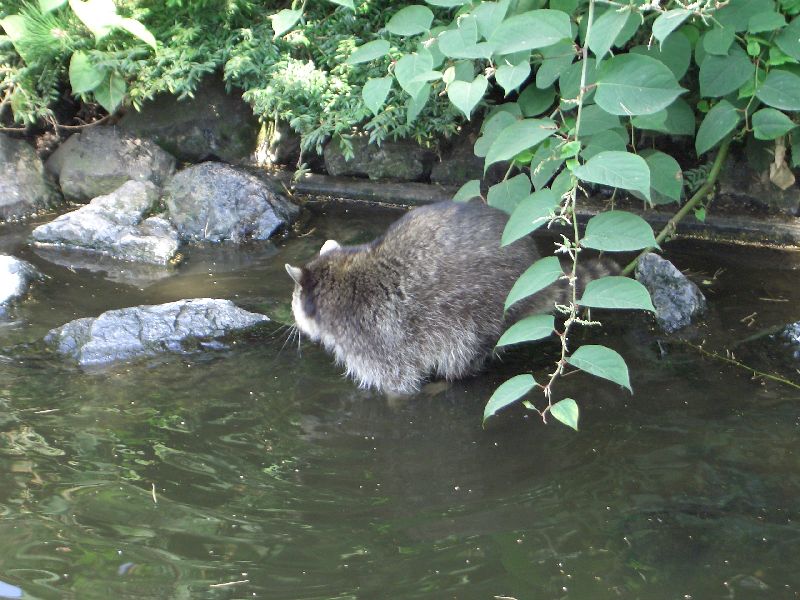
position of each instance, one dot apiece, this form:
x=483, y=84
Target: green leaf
x=788, y=40
x=631, y=84
x=510, y=77
x=570, y=83
x=667, y=22
x=507, y=194
x=556, y=59
x=447, y=3
x=718, y=40
x=492, y=127
x=595, y=120
x=369, y=51
x=374, y=93
x=111, y=92
x=136, y=29
x=677, y=119
x=737, y=13
x=99, y=16
x=611, y=140
x=345, y=3
x=51, y=5
x=721, y=75
x=675, y=52
x=534, y=101
x=530, y=30
x=530, y=214
x=616, y=292
x=509, y=392
x=539, y=275
x=283, y=21
x=490, y=15
x=545, y=163
x=462, y=41
x=519, y=136
x=465, y=96
x=468, y=191
x=666, y=177
x=417, y=103
x=766, y=21
x=605, y=30
x=566, y=411
x=411, y=69
x=781, y=89
x=410, y=20
x=617, y=169
x=719, y=122
x=769, y=124
x=601, y=362
x=529, y=329
x=618, y=231
x=83, y=75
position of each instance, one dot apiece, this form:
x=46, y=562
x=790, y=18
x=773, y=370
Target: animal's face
x=302, y=305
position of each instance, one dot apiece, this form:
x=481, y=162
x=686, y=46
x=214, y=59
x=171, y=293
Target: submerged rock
x=394, y=161
x=128, y=333
x=100, y=159
x=114, y=226
x=676, y=299
x=212, y=124
x=25, y=188
x=217, y=202
x=16, y=277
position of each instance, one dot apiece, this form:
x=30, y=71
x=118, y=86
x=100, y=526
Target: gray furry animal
x=426, y=298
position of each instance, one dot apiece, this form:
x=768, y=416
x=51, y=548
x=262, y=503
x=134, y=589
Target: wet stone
x=100, y=159
x=16, y=277
x=676, y=299
x=114, y=225
x=127, y=333
x=217, y=202
x=25, y=189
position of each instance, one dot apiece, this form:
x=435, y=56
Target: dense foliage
x=573, y=92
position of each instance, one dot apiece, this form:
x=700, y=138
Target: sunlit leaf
x=616, y=292
x=466, y=95
x=111, y=92
x=369, y=51
x=410, y=20
x=601, y=362
x=566, y=411
x=529, y=30
x=530, y=214
x=519, y=136
x=83, y=75
x=374, y=93
x=633, y=84
x=510, y=77
x=618, y=231
x=538, y=276
x=617, y=169
x=529, y=329
x=283, y=21
x=509, y=392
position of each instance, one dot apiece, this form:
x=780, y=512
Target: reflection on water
x=257, y=471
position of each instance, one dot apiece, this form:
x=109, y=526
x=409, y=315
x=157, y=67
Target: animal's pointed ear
x=328, y=246
x=294, y=273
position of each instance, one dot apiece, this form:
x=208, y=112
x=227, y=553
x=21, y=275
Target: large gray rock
x=216, y=202
x=25, y=188
x=128, y=333
x=394, y=161
x=100, y=159
x=114, y=225
x=213, y=124
x=676, y=299
x=16, y=277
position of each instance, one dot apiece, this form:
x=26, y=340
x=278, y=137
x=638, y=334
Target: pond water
x=257, y=471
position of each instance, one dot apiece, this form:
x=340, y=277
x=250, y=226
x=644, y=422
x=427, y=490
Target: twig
x=153, y=490
x=228, y=584
x=737, y=363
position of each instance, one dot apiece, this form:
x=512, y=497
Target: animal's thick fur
x=426, y=298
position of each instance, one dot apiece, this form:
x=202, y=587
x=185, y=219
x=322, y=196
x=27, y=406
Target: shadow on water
x=258, y=471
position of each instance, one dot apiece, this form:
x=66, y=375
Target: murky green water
x=261, y=468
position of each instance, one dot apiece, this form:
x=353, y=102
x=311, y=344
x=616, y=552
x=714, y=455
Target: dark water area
x=258, y=471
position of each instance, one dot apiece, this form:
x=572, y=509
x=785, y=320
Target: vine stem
x=699, y=195
x=573, y=252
